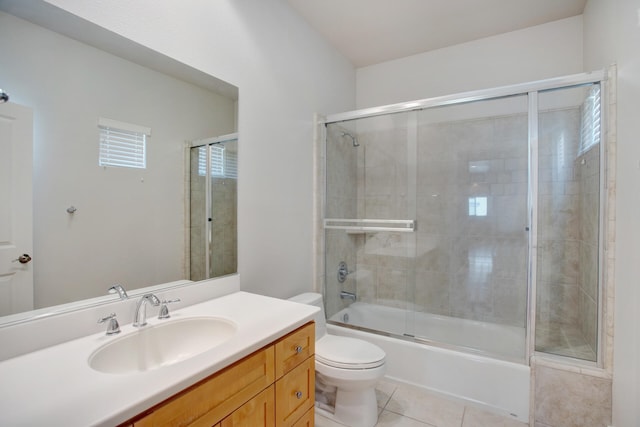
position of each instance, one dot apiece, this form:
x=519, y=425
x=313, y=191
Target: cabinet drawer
x=209, y=401
x=294, y=348
x=258, y=412
x=307, y=420
x=295, y=393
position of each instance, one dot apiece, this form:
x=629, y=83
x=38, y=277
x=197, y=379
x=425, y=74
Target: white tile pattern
x=408, y=406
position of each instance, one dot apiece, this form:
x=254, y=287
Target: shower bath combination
x=474, y=227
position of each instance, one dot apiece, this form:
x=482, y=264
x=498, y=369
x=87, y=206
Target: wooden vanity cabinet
x=275, y=386
x=295, y=375
x=259, y=411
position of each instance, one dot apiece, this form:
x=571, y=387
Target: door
x=16, y=217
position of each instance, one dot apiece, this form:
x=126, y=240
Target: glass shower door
x=472, y=213
x=568, y=274
x=197, y=213
x=370, y=222
x=213, y=207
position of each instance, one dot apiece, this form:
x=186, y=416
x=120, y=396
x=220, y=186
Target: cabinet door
x=211, y=400
x=295, y=393
x=257, y=412
x=295, y=348
x=307, y=419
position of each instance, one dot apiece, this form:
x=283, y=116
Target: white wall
x=612, y=34
x=129, y=226
x=285, y=73
x=535, y=53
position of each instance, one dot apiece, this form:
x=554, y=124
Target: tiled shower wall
x=567, y=276
x=466, y=266
x=589, y=178
x=224, y=226
x=340, y=202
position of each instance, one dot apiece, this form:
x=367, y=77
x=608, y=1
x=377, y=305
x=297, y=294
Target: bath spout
x=348, y=295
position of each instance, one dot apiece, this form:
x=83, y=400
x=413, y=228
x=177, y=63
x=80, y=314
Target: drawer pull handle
x=298, y=349
x=299, y=394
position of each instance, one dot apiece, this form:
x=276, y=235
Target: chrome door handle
x=23, y=259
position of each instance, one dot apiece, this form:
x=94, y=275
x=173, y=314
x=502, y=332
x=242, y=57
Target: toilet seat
x=348, y=353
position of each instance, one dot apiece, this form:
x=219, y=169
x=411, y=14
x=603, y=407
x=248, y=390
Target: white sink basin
x=152, y=347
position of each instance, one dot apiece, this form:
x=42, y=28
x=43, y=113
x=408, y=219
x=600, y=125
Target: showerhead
x=354, y=141
x=4, y=97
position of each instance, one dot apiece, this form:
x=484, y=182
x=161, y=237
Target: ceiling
x=372, y=31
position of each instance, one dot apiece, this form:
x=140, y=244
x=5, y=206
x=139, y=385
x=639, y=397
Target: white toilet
x=348, y=367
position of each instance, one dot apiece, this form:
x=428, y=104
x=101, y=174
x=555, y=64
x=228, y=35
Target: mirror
x=95, y=226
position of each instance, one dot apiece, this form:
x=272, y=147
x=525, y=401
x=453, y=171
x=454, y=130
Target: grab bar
x=397, y=225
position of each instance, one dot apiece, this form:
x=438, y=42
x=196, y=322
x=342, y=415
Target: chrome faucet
x=140, y=318
x=164, y=310
x=112, y=327
x=120, y=290
x=348, y=295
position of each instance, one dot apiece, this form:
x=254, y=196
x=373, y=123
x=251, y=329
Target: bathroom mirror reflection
x=99, y=219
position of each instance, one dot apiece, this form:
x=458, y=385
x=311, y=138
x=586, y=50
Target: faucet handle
x=164, y=310
x=113, y=327
x=118, y=289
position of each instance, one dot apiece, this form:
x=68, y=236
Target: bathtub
x=501, y=386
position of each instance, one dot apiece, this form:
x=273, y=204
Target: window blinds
x=122, y=144
x=224, y=164
x=590, y=120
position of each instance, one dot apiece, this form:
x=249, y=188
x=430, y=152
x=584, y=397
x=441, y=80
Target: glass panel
x=216, y=238
x=568, y=222
x=472, y=240
x=223, y=250
x=198, y=214
x=369, y=176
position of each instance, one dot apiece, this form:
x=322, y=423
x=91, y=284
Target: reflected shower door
x=472, y=211
x=213, y=208
x=223, y=245
x=197, y=213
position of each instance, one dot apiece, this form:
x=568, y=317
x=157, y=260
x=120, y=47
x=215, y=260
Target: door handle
x=23, y=259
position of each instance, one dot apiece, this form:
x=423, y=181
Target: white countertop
x=56, y=387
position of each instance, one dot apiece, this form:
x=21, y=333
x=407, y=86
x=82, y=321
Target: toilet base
x=353, y=408
x=357, y=408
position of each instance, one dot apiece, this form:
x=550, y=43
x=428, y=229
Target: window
x=477, y=206
x=590, y=120
x=224, y=163
x=122, y=144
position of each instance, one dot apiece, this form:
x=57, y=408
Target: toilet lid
x=348, y=353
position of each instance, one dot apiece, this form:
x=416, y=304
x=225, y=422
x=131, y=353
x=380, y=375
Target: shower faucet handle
x=343, y=271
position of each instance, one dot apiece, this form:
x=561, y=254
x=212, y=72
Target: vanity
x=260, y=373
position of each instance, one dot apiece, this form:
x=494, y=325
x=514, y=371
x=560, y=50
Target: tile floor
x=407, y=406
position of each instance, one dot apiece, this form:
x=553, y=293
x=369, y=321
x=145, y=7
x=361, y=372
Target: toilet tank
x=315, y=299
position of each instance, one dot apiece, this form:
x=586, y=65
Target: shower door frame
x=208, y=142
x=531, y=90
